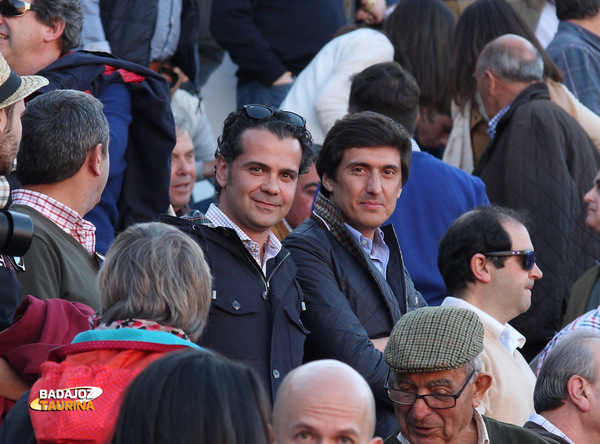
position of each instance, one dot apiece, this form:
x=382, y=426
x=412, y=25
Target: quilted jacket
x=542, y=162
x=349, y=301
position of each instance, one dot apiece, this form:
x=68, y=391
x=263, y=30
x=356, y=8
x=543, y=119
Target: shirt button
x=276, y=374
x=364, y=242
x=236, y=305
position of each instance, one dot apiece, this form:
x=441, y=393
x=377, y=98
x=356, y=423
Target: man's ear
x=578, y=391
x=376, y=440
x=221, y=171
x=480, y=267
x=490, y=82
x=326, y=182
x=96, y=159
x=3, y=120
x=482, y=384
x=55, y=30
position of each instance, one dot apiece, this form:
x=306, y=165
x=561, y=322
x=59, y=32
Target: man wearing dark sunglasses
x=37, y=36
x=489, y=266
x=256, y=300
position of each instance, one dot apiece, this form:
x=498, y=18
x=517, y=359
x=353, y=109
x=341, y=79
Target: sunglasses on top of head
x=261, y=112
x=529, y=257
x=15, y=8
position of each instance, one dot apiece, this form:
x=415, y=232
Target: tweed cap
x=14, y=87
x=433, y=339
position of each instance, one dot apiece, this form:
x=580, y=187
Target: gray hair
x=155, y=272
x=69, y=11
x=476, y=365
x=512, y=62
x=572, y=355
x=60, y=128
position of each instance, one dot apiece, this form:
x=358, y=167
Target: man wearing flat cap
x=436, y=383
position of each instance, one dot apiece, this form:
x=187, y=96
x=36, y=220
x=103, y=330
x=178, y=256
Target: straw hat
x=14, y=87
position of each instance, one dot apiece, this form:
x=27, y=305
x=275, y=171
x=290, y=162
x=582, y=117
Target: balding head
x=327, y=400
x=505, y=67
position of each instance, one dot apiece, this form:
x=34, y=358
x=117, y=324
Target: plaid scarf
x=330, y=215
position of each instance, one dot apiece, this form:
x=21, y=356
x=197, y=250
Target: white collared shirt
x=510, y=338
x=272, y=245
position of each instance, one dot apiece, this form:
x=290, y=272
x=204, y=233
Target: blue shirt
x=376, y=249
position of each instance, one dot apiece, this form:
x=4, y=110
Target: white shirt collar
x=506, y=333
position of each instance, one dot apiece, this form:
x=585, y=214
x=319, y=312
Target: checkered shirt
x=591, y=319
x=272, y=245
x=4, y=191
x=543, y=422
x=493, y=123
x=67, y=219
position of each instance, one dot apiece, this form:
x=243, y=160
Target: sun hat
x=14, y=87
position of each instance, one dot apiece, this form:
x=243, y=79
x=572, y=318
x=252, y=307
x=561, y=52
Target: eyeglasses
x=15, y=8
x=433, y=401
x=261, y=112
x=529, y=257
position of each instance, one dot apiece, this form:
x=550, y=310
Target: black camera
x=16, y=232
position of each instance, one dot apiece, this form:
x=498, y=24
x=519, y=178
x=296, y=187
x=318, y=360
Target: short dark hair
x=576, y=9
x=229, y=143
x=194, y=396
x=570, y=356
x=388, y=89
x=60, y=128
x=48, y=11
x=363, y=130
x=477, y=231
x=421, y=32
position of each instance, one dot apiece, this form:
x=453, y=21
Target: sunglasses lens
x=258, y=111
x=13, y=8
x=295, y=119
x=529, y=260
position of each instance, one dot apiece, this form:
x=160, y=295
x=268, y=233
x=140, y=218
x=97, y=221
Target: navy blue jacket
x=348, y=304
x=254, y=319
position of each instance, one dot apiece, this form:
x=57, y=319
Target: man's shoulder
x=570, y=37
x=503, y=433
x=307, y=234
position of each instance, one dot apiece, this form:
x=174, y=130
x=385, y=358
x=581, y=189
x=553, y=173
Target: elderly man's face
x=421, y=424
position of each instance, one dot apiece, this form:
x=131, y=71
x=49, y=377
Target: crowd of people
x=401, y=247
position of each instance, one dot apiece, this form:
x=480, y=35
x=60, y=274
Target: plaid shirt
x=543, y=422
x=272, y=245
x=67, y=219
x=4, y=191
x=591, y=319
x=493, y=123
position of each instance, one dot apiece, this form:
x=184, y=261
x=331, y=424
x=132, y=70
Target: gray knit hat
x=433, y=339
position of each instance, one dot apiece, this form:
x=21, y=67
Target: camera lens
x=16, y=232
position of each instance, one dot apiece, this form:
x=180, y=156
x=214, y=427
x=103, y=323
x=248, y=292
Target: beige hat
x=14, y=87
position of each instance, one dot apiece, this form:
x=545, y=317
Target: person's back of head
x=513, y=59
x=576, y=354
x=194, y=397
x=324, y=400
x=155, y=272
x=424, y=53
x=60, y=129
x=478, y=231
x=388, y=89
x=480, y=23
x=576, y=9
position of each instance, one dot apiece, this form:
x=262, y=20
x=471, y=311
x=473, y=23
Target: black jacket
x=349, y=302
x=254, y=319
x=542, y=162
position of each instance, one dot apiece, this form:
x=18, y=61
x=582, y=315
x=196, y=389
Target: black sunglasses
x=15, y=8
x=261, y=112
x=529, y=257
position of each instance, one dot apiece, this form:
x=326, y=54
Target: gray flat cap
x=432, y=339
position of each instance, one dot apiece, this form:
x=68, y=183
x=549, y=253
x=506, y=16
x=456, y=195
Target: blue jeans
x=256, y=92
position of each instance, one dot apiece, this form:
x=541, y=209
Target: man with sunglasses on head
x=37, y=37
x=349, y=267
x=488, y=264
x=436, y=381
x=256, y=300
